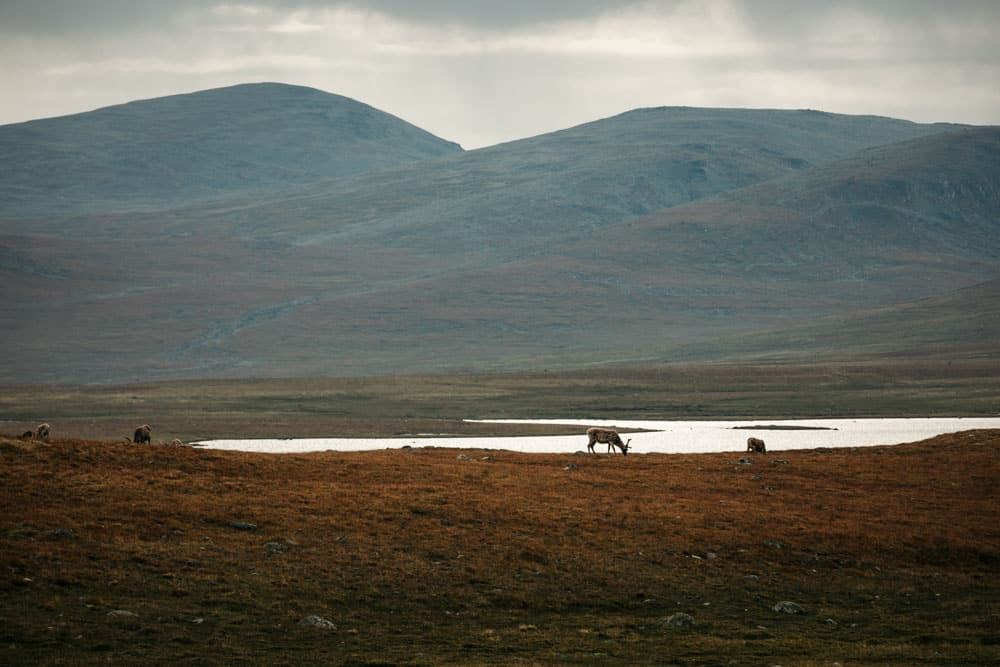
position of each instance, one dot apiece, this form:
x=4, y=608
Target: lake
x=663, y=436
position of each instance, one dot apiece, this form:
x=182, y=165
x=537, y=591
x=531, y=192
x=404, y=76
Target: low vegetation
x=407, y=405
x=135, y=554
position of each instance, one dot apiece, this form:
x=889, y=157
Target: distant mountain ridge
x=657, y=234
x=180, y=149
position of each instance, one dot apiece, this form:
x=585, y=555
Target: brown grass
x=421, y=558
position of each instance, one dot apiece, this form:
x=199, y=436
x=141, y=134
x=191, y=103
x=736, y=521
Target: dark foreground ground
x=129, y=554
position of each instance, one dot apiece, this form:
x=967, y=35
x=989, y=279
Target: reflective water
x=665, y=436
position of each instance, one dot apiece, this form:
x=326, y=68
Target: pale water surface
x=665, y=436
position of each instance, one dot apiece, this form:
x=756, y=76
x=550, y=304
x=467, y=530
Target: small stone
x=745, y=461
x=275, y=548
x=243, y=525
x=681, y=620
x=788, y=607
x=122, y=613
x=571, y=467
x=318, y=622
x=62, y=534
x=463, y=457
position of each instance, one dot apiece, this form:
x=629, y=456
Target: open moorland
x=133, y=554
x=407, y=405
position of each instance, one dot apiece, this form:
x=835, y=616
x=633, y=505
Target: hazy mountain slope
x=961, y=324
x=501, y=202
x=899, y=223
x=205, y=145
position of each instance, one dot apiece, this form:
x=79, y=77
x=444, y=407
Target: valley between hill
x=163, y=555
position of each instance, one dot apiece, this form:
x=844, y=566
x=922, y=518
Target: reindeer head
x=625, y=446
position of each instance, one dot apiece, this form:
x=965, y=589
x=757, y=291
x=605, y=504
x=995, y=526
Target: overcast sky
x=481, y=73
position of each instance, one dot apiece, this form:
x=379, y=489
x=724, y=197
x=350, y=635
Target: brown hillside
x=133, y=554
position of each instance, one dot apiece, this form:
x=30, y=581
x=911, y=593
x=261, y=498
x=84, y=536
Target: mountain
x=653, y=235
x=176, y=150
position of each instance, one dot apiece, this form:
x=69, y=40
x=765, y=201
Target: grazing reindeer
x=143, y=434
x=606, y=435
x=42, y=431
x=756, y=445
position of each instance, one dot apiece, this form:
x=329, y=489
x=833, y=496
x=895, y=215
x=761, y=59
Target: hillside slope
x=501, y=203
x=527, y=255
x=184, y=148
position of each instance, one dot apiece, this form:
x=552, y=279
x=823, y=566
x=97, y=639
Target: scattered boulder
x=681, y=620
x=788, y=607
x=318, y=622
x=243, y=525
x=122, y=614
x=62, y=534
x=463, y=457
x=745, y=461
x=570, y=467
x=277, y=547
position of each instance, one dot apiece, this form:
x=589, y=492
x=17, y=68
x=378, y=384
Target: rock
x=122, y=613
x=486, y=458
x=745, y=461
x=243, y=525
x=277, y=547
x=788, y=607
x=318, y=622
x=570, y=467
x=681, y=620
x=463, y=457
x=62, y=534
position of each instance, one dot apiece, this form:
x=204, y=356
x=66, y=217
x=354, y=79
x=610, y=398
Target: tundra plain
x=129, y=554
x=137, y=554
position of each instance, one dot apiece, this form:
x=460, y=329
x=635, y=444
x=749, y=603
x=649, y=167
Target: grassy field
x=128, y=554
x=404, y=405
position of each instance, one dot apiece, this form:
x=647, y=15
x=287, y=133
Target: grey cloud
x=108, y=16
x=768, y=18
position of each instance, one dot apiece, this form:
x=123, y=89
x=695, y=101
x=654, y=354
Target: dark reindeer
x=143, y=434
x=608, y=436
x=756, y=445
